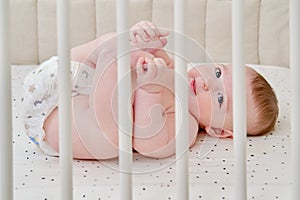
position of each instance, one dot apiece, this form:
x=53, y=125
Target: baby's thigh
x=52, y=137
x=51, y=130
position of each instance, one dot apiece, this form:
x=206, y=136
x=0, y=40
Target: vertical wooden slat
x=65, y=101
x=6, y=159
x=181, y=106
x=124, y=103
x=295, y=87
x=239, y=101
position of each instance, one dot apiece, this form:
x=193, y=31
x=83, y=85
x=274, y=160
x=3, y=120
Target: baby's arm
x=161, y=53
x=154, y=127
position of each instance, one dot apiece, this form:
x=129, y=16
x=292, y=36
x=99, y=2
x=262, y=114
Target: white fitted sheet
x=36, y=176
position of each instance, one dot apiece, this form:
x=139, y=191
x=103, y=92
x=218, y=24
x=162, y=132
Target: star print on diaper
x=31, y=88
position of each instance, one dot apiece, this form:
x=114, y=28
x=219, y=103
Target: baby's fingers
x=140, y=66
x=151, y=68
x=152, y=45
x=162, y=33
x=154, y=32
x=132, y=38
x=142, y=33
x=160, y=62
x=138, y=32
x=146, y=70
x=151, y=30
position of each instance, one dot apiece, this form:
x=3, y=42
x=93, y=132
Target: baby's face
x=210, y=96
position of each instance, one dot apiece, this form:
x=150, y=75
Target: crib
x=264, y=167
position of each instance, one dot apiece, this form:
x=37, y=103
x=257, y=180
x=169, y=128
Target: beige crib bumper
x=33, y=26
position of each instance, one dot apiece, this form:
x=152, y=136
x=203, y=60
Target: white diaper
x=40, y=96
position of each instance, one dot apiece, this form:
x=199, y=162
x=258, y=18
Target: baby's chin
x=193, y=103
x=193, y=107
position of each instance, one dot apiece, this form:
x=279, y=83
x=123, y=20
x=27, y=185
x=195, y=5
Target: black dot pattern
x=36, y=175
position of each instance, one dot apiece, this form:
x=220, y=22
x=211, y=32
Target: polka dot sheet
x=211, y=162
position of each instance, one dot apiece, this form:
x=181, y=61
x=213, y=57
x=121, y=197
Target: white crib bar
x=295, y=86
x=6, y=160
x=239, y=101
x=181, y=106
x=124, y=102
x=65, y=101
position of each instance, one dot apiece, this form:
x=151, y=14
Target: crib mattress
x=211, y=162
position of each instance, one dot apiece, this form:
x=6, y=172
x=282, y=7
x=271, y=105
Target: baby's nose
x=205, y=86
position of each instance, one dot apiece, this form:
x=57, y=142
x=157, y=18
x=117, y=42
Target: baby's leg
x=85, y=53
x=83, y=125
x=90, y=52
x=52, y=137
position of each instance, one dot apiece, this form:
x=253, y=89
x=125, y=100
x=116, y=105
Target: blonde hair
x=266, y=105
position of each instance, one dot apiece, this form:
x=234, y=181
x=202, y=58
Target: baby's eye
x=218, y=72
x=220, y=99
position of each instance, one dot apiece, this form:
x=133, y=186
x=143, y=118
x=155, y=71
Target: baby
x=94, y=74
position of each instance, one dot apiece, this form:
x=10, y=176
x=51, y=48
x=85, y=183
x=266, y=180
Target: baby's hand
x=147, y=36
x=150, y=74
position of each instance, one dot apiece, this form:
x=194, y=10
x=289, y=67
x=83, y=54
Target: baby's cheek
x=205, y=108
x=193, y=105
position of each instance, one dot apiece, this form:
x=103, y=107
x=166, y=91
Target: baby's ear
x=216, y=132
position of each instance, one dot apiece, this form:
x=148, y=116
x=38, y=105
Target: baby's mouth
x=193, y=85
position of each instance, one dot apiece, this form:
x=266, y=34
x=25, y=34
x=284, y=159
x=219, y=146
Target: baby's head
x=211, y=100
x=265, y=105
